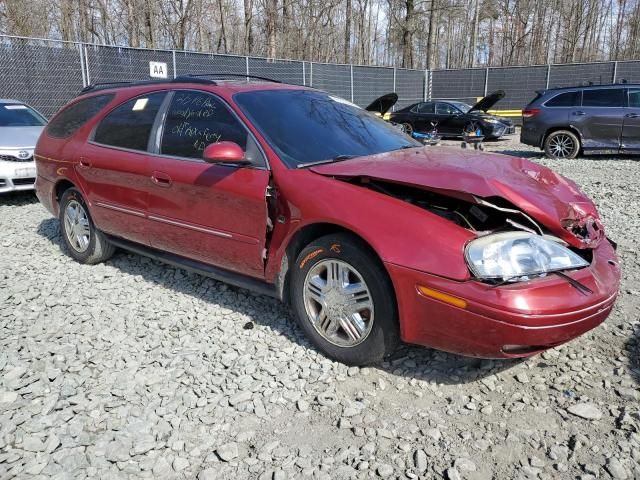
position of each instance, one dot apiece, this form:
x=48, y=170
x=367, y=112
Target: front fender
x=400, y=233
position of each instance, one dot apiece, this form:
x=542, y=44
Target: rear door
x=424, y=114
x=600, y=117
x=215, y=214
x=114, y=167
x=631, y=122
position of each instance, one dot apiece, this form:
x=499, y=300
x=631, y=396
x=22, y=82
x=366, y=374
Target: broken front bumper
x=513, y=320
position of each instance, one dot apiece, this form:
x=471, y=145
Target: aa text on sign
x=157, y=70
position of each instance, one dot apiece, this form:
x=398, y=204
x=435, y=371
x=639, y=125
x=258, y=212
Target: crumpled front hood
x=552, y=200
x=19, y=137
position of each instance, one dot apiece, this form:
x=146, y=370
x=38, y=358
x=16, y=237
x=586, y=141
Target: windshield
x=306, y=126
x=18, y=115
x=463, y=107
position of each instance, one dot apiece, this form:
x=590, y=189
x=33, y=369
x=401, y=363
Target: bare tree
x=410, y=33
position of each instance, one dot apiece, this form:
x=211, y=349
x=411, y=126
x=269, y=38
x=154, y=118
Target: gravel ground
x=133, y=369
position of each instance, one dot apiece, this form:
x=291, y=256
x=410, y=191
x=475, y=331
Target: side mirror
x=224, y=152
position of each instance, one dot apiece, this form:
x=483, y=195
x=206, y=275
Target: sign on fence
x=157, y=70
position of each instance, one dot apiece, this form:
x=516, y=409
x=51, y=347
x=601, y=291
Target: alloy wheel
x=338, y=303
x=561, y=146
x=77, y=229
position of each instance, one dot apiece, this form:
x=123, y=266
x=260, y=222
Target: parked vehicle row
x=371, y=237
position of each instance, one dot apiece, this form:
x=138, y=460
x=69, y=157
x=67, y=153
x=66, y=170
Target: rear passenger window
x=65, y=123
x=568, y=99
x=610, y=97
x=425, y=108
x=195, y=120
x=634, y=98
x=129, y=125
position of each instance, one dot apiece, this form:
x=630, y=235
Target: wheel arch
x=61, y=186
x=303, y=237
x=569, y=128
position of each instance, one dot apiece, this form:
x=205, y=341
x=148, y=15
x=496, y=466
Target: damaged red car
x=371, y=238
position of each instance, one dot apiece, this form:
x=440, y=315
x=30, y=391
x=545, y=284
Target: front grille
x=23, y=181
x=3, y=182
x=11, y=158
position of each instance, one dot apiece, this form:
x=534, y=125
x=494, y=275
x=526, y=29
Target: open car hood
x=489, y=101
x=552, y=200
x=383, y=104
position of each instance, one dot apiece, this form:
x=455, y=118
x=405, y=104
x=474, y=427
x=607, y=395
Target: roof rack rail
x=104, y=85
x=238, y=75
x=188, y=78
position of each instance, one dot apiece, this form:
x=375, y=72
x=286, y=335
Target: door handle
x=632, y=115
x=161, y=179
x=84, y=162
x=579, y=113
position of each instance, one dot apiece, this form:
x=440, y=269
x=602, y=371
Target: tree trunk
x=347, y=33
x=407, y=35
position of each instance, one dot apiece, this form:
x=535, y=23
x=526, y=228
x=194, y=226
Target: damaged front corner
x=583, y=225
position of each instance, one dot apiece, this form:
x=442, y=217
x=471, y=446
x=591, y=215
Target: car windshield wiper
x=337, y=158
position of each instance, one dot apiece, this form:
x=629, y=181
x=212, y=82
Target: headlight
x=513, y=255
x=493, y=121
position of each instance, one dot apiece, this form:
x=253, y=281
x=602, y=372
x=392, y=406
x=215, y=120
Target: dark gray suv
x=594, y=119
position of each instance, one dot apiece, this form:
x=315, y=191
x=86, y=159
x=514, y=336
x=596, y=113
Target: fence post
x=246, y=64
x=86, y=65
x=426, y=74
x=548, y=75
x=304, y=76
x=351, y=75
x=84, y=77
x=486, y=81
x=393, y=107
x=173, y=58
x=311, y=74
x=615, y=71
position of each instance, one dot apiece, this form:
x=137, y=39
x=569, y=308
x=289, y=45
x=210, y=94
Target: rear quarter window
x=567, y=99
x=70, y=119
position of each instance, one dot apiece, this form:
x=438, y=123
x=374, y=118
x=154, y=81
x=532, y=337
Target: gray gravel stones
x=134, y=369
x=420, y=461
x=585, y=410
x=228, y=451
x=616, y=469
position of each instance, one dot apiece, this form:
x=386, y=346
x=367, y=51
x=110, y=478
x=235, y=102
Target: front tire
x=344, y=300
x=562, y=144
x=407, y=128
x=84, y=242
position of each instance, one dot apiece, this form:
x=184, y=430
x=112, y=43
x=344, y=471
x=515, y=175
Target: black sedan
x=454, y=119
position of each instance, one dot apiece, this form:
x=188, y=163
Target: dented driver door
x=216, y=214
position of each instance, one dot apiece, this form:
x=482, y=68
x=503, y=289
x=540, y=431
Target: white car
x=20, y=127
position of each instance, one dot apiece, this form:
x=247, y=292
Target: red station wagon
x=371, y=237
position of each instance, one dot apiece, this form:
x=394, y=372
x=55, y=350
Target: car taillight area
x=530, y=112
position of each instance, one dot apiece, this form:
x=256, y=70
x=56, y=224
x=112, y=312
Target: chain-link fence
x=48, y=73
x=521, y=83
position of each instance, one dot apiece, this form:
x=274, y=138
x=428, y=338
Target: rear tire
x=344, y=301
x=84, y=242
x=562, y=144
x=407, y=128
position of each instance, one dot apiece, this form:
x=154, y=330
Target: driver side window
x=197, y=119
x=445, y=109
